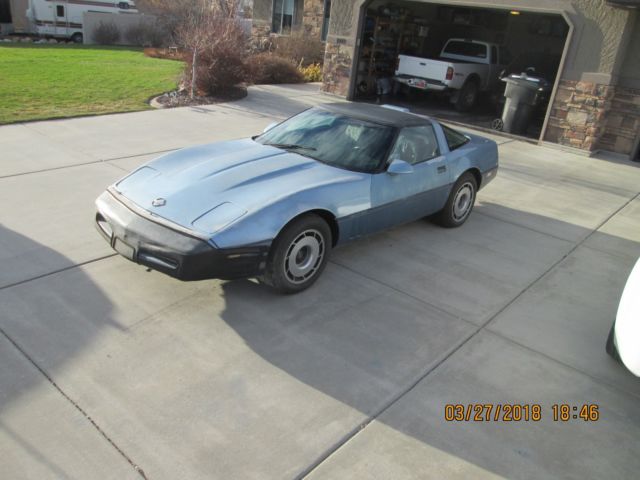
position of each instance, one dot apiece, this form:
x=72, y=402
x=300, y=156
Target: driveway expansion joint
x=70, y=267
x=75, y=404
x=354, y=432
x=106, y=161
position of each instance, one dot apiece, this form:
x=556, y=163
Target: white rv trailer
x=63, y=18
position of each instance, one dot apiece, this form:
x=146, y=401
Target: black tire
x=467, y=97
x=77, y=37
x=611, y=344
x=310, y=236
x=456, y=211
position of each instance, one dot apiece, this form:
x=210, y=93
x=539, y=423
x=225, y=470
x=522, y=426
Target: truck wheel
x=467, y=96
x=76, y=37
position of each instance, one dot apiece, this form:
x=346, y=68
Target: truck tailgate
x=422, y=67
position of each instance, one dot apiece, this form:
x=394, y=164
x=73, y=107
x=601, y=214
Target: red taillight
x=450, y=73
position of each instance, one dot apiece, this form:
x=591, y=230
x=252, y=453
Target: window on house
x=286, y=15
x=325, y=21
x=60, y=10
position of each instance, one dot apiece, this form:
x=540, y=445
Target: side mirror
x=269, y=127
x=397, y=167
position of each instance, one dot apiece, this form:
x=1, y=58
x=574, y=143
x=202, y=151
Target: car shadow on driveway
x=44, y=431
x=371, y=335
x=87, y=312
x=385, y=339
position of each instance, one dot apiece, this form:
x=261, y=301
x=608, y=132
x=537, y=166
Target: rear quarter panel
x=479, y=153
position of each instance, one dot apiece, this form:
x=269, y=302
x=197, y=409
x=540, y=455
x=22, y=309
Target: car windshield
x=333, y=138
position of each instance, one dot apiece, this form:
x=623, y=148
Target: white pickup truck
x=463, y=69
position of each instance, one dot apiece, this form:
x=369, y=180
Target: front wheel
x=460, y=202
x=299, y=254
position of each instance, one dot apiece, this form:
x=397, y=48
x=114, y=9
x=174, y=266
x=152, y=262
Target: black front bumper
x=172, y=251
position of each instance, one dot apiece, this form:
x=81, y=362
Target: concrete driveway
x=110, y=371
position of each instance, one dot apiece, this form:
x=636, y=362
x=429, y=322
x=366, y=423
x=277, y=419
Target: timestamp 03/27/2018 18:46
x=515, y=412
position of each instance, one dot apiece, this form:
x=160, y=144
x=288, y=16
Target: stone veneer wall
x=312, y=17
x=622, y=125
x=336, y=72
x=591, y=116
x=578, y=114
x=340, y=47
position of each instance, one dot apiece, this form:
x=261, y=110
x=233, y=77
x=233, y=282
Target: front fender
x=261, y=227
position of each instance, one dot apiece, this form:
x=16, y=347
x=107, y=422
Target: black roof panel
x=376, y=114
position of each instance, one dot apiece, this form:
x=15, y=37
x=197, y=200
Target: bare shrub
x=172, y=15
x=300, y=47
x=145, y=34
x=106, y=33
x=268, y=68
x=213, y=35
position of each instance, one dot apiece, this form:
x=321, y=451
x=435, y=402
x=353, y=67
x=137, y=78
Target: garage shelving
x=384, y=38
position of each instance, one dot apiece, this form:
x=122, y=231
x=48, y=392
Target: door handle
x=442, y=169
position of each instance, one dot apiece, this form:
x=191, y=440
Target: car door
x=404, y=197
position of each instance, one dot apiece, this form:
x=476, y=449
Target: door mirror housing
x=269, y=127
x=397, y=167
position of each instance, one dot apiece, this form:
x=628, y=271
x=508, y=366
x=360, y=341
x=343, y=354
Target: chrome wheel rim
x=463, y=202
x=470, y=97
x=304, y=256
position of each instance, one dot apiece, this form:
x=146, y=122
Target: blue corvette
x=274, y=206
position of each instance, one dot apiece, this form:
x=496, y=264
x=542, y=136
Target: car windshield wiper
x=291, y=146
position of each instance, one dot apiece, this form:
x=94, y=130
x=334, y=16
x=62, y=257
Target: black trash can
x=523, y=93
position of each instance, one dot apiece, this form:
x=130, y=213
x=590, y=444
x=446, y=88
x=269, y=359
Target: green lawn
x=50, y=81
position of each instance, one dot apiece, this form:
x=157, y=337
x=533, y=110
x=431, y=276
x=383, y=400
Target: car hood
x=238, y=176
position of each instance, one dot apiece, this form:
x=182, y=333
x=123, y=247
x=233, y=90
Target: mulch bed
x=181, y=98
x=166, y=53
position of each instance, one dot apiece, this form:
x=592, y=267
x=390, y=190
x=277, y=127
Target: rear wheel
x=460, y=202
x=76, y=37
x=299, y=254
x=467, y=96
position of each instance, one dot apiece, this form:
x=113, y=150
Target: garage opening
x=490, y=68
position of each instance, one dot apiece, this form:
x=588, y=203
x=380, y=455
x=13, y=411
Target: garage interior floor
x=109, y=371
